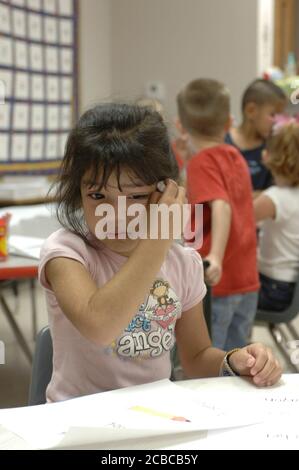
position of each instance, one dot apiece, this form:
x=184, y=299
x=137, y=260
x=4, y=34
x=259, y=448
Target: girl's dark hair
x=108, y=138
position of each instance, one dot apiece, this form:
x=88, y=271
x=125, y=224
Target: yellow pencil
x=161, y=414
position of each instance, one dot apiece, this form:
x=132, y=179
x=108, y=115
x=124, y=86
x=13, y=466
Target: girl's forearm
x=112, y=307
x=207, y=363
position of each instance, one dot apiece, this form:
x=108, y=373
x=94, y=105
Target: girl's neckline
x=100, y=246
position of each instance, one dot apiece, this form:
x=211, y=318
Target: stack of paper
x=23, y=188
x=163, y=415
x=32, y=221
x=28, y=247
x=145, y=416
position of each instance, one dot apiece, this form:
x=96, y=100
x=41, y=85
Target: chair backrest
x=207, y=308
x=285, y=316
x=41, y=368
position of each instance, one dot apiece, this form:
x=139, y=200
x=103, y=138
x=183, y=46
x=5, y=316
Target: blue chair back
x=42, y=367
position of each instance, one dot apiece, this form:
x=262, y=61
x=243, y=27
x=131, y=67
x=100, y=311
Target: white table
x=31, y=221
x=17, y=268
x=226, y=388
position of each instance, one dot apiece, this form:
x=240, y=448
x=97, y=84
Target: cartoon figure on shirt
x=164, y=312
x=151, y=331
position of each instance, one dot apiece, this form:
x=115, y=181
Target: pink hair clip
x=282, y=120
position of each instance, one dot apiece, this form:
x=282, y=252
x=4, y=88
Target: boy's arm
x=264, y=208
x=221, y=222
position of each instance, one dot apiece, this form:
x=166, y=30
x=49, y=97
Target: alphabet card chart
x=38, y=83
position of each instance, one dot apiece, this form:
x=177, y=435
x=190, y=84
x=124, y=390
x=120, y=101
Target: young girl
x=278, y=207
x=116, y=305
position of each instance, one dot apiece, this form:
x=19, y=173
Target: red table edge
x=22, y=272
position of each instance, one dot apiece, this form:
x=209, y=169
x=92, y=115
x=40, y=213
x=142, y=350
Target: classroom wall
x=297, y=32
x=126, y=43
x=174, y=41
x=94, y=51
x=265, y=34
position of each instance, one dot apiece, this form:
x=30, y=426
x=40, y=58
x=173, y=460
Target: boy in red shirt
x=218, y=178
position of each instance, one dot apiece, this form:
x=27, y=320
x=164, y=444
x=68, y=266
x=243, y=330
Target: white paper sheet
x=110, y=415
x=279, y=407
x=109, y=439
x=32, y=220
x=25, y=246
x=9, y=441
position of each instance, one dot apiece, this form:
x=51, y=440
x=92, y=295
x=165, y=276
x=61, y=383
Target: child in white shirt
x=278, y=208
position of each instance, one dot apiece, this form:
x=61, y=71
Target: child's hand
x=172, y=194
x=256, y=361
x=214, y=272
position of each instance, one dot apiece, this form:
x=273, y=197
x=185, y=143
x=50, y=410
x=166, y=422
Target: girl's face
x=132, y=189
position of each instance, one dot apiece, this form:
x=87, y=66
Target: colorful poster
x=38, y=83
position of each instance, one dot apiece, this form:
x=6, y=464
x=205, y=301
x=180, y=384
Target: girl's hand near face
x=172, y=195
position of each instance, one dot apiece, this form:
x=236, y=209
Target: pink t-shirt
x=141, y=353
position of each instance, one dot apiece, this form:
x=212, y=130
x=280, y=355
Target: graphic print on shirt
x=254, y=167
x=151, y=331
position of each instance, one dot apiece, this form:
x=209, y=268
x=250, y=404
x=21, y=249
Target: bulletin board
x=38, y=83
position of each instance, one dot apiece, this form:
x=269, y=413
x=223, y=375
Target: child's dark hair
x=263, y=92
x=108, y=138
